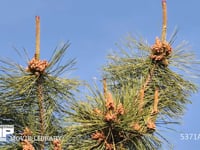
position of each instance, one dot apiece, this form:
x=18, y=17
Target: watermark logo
x=6, y=131
x=7, y=135
x=34, y=138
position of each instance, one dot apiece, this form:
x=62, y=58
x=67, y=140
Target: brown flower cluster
x=120, y=109
x=57, y=145
x=160, y=50
x=37, y=66
x=99, y=136
x=109, y=146
x=109, y=101
x=149, y=127
x=112, y=112
x=26, y=145
x=27, y=132
x=110, y=115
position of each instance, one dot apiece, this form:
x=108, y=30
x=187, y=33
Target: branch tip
x=37, y=17
x=164, y=24
x=37, y=44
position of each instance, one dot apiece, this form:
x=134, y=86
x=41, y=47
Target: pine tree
x=34, y=97
x=143, y=92
x=152, y=68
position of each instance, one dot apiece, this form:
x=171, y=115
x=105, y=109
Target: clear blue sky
x=93, y=27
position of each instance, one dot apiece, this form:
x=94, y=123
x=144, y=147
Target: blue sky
x=93, y=28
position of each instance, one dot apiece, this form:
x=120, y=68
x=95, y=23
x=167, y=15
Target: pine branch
x=106, y=120
x=41, y=111
x=160, y=89
x=145, y=86
x=20, y=98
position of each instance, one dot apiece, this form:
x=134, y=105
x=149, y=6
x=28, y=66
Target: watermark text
x=190, y=136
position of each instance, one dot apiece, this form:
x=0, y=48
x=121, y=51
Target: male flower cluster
x=37, y=67
x=160, y=51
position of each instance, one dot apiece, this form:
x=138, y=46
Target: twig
x=156, y=100
x=41, y=111
x=37, y=44
x=105, y=87
x=164, y=25
x=144, y=87
x=141, y=103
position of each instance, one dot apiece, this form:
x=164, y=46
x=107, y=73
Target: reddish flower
x=98, y=136
x=120, y=109
x=57, y=145
x=26, y=145
x=109, y=146
x=110, y=116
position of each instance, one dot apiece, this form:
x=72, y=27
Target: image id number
x=190, y=136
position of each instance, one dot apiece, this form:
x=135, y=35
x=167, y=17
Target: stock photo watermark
x=5, y=131
x=190, y=136
x=34, y=138
x=7, y=135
